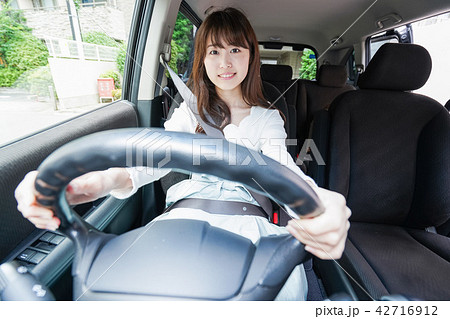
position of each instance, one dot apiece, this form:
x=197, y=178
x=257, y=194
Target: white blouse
x=262, y=130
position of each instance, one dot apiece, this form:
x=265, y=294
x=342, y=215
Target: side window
x=432, y=34
x=182, y=46
x=59, y=59
x=377, y=41
x=181, y=59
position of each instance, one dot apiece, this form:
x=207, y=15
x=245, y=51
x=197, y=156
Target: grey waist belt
x=222, y=207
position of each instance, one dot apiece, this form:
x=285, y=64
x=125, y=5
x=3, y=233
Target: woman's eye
x=235, y=50
x=213, y=52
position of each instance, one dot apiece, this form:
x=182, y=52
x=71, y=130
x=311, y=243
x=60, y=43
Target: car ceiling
x=317, y=22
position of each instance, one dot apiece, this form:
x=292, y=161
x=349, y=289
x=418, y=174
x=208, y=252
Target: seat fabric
x=378, y=141
x=427, y=254
x=280, y=76
x=273, y=95
x=389, y=155
x=318, y=95
x=447, y=105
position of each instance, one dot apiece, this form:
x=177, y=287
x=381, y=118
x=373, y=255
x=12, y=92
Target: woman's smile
x=226, y=66
x=227, y=76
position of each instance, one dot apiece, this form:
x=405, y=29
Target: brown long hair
x=232, y=27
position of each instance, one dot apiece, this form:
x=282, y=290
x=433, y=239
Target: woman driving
x=226, y=82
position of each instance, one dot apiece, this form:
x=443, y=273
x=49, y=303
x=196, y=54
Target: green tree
x=309, y=65
x=26, y=52
x=121, y=56
x=19, y=49
x=180, y=43
x=11, y=22
x=100, y=38
x=182, y=37
x=175, y=51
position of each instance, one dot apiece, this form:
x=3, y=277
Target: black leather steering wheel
x=149, y=147
x=188, y=153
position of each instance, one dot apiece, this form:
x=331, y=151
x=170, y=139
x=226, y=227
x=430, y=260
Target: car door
x=47, y=254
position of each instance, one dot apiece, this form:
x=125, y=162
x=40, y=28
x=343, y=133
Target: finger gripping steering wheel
x=251, y=271
x=179, y=151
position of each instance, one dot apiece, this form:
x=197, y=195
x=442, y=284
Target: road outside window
x=57, y=63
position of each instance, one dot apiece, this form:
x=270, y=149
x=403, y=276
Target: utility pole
x=75, y=26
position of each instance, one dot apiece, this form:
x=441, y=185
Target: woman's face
x=226, y=67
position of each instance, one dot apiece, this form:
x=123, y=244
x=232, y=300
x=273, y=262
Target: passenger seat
x=388, y=155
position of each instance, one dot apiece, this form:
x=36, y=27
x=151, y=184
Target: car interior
x=357, y=127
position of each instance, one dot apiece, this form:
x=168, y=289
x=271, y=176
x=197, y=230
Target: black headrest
x=334, y=76
x=272, y=95
x=397, y=66
x=447, y=105
x=276, y=72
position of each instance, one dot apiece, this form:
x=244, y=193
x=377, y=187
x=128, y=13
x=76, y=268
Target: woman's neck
x=233, y=98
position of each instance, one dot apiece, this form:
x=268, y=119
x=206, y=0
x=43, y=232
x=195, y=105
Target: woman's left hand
x=324, y=235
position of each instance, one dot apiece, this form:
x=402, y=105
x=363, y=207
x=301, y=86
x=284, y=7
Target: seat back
x=388, y=148
x=317, y=95
x=388, y=155
x=280, y=76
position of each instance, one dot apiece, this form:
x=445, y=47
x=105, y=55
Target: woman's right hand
x=83, y=189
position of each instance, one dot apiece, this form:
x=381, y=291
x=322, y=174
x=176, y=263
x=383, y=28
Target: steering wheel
x=251, y=271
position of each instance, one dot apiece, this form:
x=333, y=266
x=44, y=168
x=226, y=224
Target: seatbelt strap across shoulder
x=191, y=101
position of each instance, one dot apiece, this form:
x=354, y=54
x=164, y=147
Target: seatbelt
x=221, y=207
x=191, y=102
